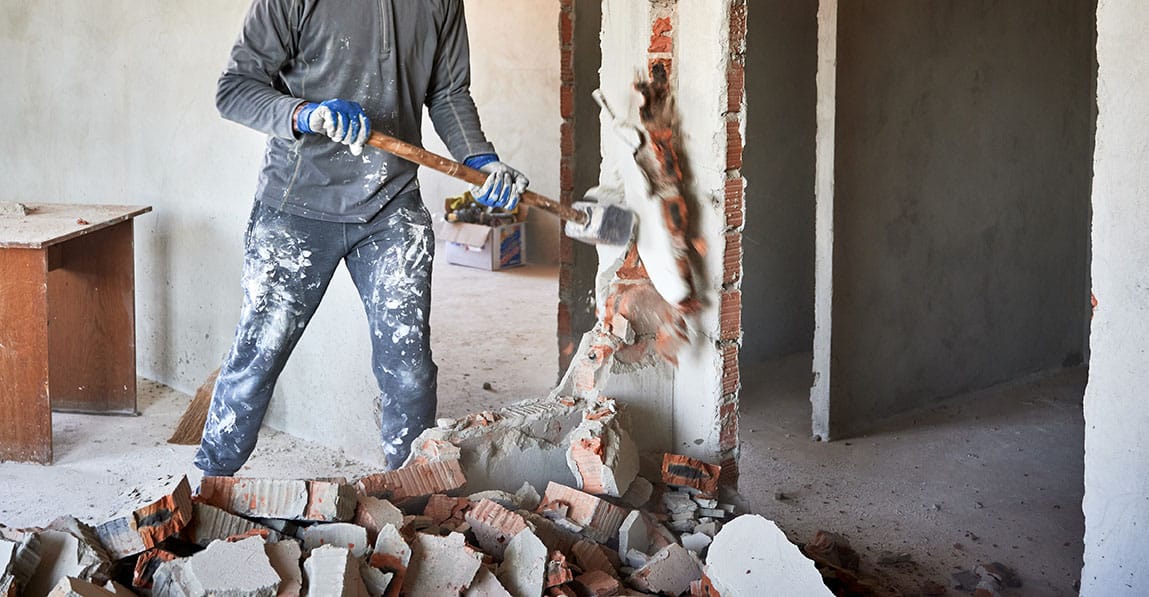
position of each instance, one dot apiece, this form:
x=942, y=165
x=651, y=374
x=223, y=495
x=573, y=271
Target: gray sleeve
x=247, y=91
x=449, y=99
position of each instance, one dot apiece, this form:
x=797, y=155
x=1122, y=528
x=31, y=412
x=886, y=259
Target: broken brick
x=330, y=500
x=598, y=583
x=146, y=526
x=416, y=480
x=592, y=556
x=373, y=514
x=602, y=456
x=557, y=571
x=210, y=523
x=349, y=536
x=335, y=570
x=687, y=472
x=494, y=526
x=291, y=499
x=446, y=511
x=146, y=566
x=600, y=519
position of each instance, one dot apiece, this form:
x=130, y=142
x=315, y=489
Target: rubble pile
x=597, y=529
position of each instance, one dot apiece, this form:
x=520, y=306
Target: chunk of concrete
x=440, y=566
x=634, y=533
x=752, y=556
x=413, y=481
x=291, y=499
x=284, y=557
x=670, y=571
x=333, y=572
x=486, y=584
x=600, y=519
x=212, y=524
x=494, y=526
x=526, y=441
x=149, y=521
x=74, y=587
x=67, y=555
x=373, y=514
x=224, y=569
x=601, y=455
x=684, y=471
x=696, y=542
x=524, y=565
x=375, y=580
x=639, y=492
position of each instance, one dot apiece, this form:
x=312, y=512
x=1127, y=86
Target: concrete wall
x=113, y=102
x=685, y=400
x=1116, y=463
x=778, y=242
x=962, y=174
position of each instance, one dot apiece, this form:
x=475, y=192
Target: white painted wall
x=113, y=102
x=662, y=397
x=1116, y=418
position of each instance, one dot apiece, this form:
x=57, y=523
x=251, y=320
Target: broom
x=189, y=429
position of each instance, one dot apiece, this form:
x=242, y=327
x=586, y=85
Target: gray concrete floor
x=996, y=475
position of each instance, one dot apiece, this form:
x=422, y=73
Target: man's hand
x=341, y=120
x=504, y=184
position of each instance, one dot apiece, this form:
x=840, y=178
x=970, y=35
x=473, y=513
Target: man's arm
x=449, y=99
x=246, y=92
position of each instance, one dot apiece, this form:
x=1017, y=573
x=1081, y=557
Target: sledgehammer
x=596, y=223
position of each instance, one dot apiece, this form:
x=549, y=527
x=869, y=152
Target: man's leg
x=288, y=263
x=390, y=263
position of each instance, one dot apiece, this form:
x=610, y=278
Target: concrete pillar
x=1116, y=414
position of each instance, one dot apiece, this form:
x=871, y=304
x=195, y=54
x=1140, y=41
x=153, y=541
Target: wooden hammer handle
x=454, y=169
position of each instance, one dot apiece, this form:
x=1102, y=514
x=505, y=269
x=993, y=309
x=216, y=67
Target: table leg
x=25, y=409
x=92, y=335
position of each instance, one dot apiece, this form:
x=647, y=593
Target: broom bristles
x=189, y=429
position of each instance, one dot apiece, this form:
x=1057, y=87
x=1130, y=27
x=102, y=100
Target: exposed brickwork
x=566, y=333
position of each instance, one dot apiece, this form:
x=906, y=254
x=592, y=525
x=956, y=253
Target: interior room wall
x=778, y=241
x=962, y=173
x=114, y=102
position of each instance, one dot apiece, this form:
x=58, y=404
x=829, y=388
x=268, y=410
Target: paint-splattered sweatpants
x=288, y=263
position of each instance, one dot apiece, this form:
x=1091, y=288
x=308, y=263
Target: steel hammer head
x=606, y=224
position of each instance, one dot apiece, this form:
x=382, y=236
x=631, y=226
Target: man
x=317, y=75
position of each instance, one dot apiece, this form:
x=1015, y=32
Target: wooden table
x=67, y=320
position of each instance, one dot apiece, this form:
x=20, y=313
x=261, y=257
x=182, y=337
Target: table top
x=53, y=223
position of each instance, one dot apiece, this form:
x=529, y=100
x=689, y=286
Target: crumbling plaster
x=684, y=400
x=115, y=104
x=1116, y=468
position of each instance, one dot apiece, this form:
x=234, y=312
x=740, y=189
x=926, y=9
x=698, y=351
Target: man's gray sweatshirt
x=391, y=56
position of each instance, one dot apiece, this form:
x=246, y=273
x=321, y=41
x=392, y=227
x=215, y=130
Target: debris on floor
x=598, y=528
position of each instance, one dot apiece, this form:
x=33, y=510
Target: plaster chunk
x=224, y=569
x=375, y=580
x=74, y=587
x=350, y=536
x=634, y=534
x=671, y=571
x=440, y=566
x=211, y=524
x=149, y=521
x=373, y=514
x=486, y=584
x=333, y=572
x=494, y=526
x=524, y=565
x=752, y=556
x=600, y=519
x=639, y=492
x=602, y=456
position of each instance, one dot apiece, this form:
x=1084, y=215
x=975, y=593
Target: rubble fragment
x=440, y=566
x=211, y=523
x=639, y=492
x=597, y=583
x=291, y=499
x=557, y=571
x=391, y=555
x=373, y=514
x=416, y=480
x=526, y=441
x=601, y=455
x=375, y=580
x=593, y=556
x=19, y=558
x=64, y=554
x=526, y=498
x=524, y=565
x=832, y=549
x=494, y=526
x=240, y=568
x=333, y=571
x=146, y=526
x=671, y=570
x=146, y=565
x=447, y=512
x=752, y=556
x=696, y=542
x=351, y=537
x=634, y=533
x=684, y=471
x=600, y=520
x=486, y=584
x=75, y=587
x=284, y=557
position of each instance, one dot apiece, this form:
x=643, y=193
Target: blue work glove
x=341, y=120
x=504, y=184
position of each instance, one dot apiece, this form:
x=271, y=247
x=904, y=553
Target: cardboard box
x=485, y=247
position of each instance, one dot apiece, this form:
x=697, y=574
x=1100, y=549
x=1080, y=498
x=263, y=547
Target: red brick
x=598, y=584
x=414, y=481
x=600, y=518
x=735, y=207
x=566, y=28
x=660, y=40
x=566, y=102
x=732, y=258
x=730, y=316
x=730, y=472
x=567, y=141
x=688, y=472
x=736, y=87
x=566, y=173
x=733, y=144
x=730, y=371
x=566, y=66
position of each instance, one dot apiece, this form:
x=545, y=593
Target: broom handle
x=454, y=169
